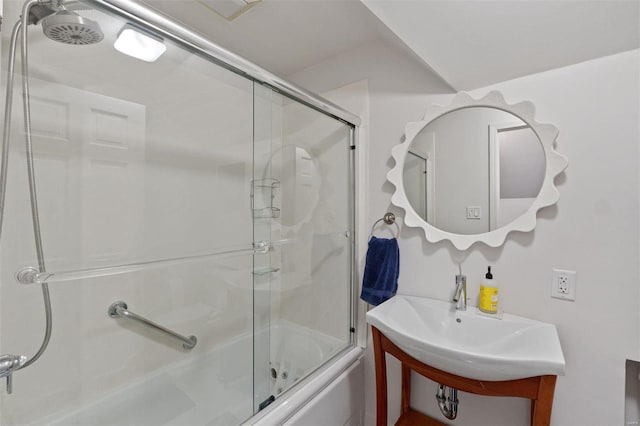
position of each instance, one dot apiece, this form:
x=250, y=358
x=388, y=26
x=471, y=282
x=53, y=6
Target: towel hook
x=388, y=218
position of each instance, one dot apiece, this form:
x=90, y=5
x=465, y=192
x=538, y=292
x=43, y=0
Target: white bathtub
x=332, y=396
x=206, y=390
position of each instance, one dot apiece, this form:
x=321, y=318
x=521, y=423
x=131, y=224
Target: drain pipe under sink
x=448, y=405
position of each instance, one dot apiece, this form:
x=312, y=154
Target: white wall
x=592, y=230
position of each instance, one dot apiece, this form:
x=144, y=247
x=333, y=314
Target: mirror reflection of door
x=516, y=172
x=415, y=168
x=418, y=174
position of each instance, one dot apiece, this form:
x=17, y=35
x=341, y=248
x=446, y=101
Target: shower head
x=70, y=28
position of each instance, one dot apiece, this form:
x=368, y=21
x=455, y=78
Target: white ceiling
x=283, y=36
x=475, y=43
x=469, y=43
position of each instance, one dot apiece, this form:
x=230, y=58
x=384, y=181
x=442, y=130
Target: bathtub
x=202, y=391
x=333, y=395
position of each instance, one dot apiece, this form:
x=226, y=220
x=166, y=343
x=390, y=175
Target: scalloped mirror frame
x=548, y=195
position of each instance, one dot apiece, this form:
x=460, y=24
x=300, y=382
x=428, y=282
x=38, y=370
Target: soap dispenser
x=488, y=294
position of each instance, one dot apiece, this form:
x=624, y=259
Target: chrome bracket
x=28, y=275
x=262, y=247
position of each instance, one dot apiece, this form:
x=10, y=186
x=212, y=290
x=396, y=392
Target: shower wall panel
x=316, y=209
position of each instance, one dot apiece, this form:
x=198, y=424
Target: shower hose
x=20, y=30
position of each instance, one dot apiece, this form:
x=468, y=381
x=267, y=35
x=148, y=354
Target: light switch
x=474, y=213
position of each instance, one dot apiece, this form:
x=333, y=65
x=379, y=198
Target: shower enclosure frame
x=192, y=41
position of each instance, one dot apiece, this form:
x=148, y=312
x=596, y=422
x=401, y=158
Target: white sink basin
x=468, y=344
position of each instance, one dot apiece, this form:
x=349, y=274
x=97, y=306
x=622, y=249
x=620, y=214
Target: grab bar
x=119, y=310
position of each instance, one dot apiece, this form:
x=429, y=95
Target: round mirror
x=475, y=170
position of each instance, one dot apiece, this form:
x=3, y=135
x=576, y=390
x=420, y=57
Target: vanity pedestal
x=538, y=389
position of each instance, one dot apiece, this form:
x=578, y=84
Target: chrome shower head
x=71, y=28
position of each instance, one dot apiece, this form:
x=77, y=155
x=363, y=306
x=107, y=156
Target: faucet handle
x=9, y=364
x=461, y=288
x=460, y=293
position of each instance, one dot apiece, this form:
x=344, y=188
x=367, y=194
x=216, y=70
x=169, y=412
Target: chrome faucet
x=460, y=294
x=9, y=364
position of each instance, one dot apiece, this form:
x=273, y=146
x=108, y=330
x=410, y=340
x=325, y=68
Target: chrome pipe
x=448, y=405
x=146, y=17
x=120, y=310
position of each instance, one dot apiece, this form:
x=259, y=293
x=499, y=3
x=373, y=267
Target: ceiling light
x=141, y=45
x=229, y=9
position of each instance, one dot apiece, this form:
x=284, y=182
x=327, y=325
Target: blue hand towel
x=381, y=270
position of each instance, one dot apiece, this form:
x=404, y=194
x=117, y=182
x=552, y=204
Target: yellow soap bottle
x=488, y=294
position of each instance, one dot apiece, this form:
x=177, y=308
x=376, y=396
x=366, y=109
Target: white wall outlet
x=474, y=213
x=563, y=284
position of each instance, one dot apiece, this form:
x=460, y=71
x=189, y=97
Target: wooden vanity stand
x=538, y=389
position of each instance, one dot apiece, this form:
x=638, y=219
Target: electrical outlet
x=563, y=284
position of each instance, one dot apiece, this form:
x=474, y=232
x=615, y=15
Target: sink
x=467, y=343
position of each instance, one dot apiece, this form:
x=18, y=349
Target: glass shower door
x=303, y=286
x=265, y=207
